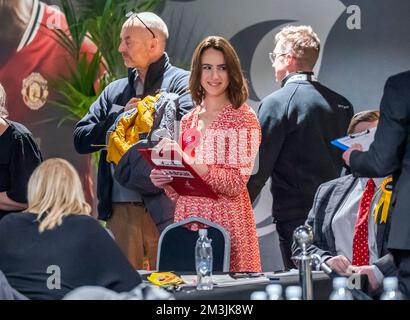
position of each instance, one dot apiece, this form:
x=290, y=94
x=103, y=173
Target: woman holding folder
x=219, y=138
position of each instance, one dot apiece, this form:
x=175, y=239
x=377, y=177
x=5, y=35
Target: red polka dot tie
x=361, y=229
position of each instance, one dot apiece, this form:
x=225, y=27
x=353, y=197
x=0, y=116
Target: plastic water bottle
x=203, y=261
x=391, y=291
x=293, y=293
x=340, y=291
x=274, y=291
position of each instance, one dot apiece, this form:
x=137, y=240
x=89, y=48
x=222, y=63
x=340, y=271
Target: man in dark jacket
x=298, y=122
x=390, y=154
x=143, y=41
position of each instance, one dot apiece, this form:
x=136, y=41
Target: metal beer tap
x=303, y=237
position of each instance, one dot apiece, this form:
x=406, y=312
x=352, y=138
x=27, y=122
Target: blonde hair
x=55, y=191
x=3, y=110
x=302, y=42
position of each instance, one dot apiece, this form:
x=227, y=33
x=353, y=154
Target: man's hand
x=131, y=104
x=339, y=263
x=346, y=154
x=367, y=270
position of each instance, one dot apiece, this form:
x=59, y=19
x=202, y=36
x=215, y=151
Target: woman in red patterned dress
x=220, y=139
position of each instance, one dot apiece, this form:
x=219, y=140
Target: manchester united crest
x=35, y=91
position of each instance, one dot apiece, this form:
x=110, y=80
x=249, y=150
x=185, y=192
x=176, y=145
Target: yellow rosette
x=384, y=200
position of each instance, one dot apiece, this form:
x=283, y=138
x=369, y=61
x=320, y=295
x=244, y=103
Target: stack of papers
x=364, y=138
x=225, y=280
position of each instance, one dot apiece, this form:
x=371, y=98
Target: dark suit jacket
x=390, y=154
x=328, y=198
x=289, y=119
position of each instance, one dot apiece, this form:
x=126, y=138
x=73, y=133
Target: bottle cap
x=258, y=295
x=293, y=292
x=203, y=232
x=274, y=289
x=339, y=282
x=390, y=283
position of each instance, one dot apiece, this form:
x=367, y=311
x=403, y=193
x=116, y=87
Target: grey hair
x=3, y=110
x=152, y=20
x=302, y=41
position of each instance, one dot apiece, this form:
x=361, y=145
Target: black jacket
x=390, y=154
x=19, y=157
x=77, y=253
x=298, y=122
x=90, y=132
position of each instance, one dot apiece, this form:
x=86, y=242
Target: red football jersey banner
x=26, y=71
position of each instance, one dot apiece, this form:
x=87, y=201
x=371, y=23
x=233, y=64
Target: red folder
x=186, y=182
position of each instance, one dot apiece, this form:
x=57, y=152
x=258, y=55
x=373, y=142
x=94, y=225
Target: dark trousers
x=402, y=261
x=285, y=231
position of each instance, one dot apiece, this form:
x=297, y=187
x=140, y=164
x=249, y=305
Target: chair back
x=176, y=246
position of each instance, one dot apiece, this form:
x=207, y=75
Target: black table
x=322, y=287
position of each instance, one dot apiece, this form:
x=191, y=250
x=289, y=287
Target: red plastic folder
x=186, y=182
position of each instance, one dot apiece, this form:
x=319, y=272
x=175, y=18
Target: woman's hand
x=159, y=178
x=166, y=146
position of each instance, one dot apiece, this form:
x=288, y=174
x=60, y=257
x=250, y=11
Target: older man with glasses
x=298, y=122
x=142, y=45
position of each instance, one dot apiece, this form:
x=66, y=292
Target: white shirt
x=344, y=221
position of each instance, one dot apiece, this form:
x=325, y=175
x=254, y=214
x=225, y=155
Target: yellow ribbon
x=385, y=201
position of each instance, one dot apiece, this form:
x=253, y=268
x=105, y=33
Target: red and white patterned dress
x=229, y=147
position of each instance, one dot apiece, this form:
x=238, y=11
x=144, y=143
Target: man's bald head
x=152, y=21
x=143, y=40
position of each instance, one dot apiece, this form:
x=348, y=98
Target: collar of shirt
x=377, y=181
x=138, y=85
x=308, y=75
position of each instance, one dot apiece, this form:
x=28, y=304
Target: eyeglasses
x=274, y=56
x=134, y=14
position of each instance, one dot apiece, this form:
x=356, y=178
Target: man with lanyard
x=298, y=122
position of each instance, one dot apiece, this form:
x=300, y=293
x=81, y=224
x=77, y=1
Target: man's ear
x=154, y=44
x=289, y=59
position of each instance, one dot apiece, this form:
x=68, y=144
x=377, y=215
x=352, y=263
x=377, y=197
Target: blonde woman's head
x=55, y=191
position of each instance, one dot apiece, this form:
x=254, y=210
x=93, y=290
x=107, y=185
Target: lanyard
x=301, y=77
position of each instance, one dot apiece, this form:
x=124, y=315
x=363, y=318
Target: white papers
x=364, y=138
x=225, y=280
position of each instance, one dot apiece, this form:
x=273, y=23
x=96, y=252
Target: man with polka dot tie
x=349, y=232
